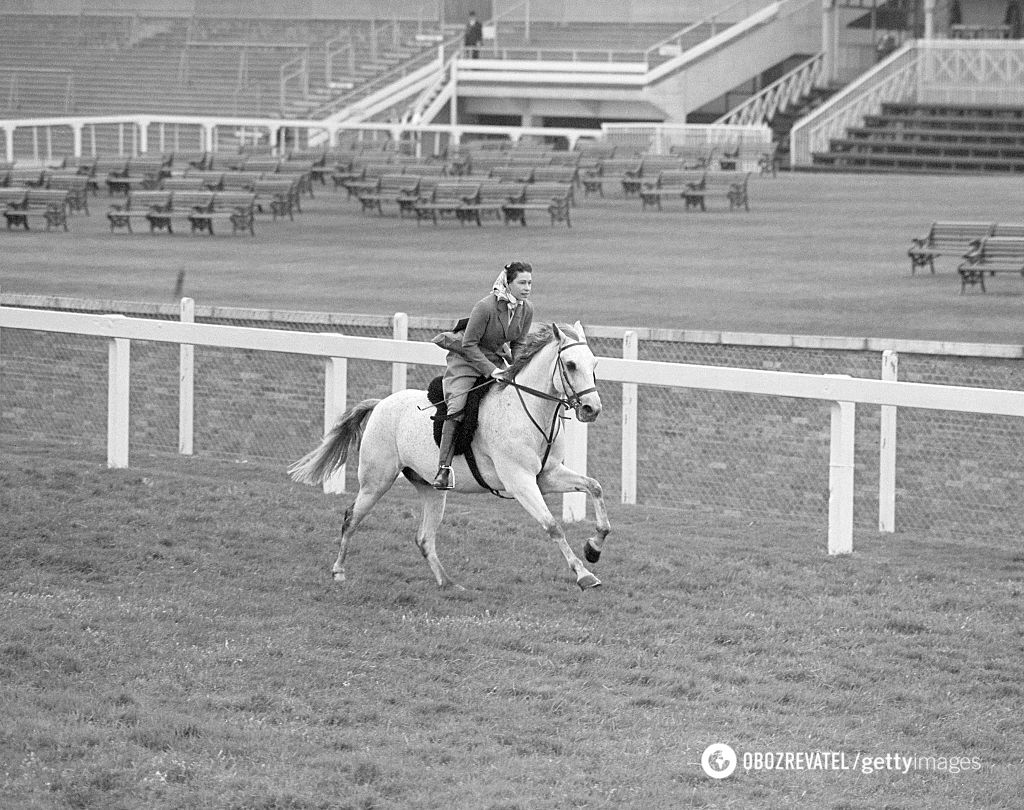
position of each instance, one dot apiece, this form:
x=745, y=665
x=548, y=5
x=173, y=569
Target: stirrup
x=444, y=478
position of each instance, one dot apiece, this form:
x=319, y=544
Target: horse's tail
x=318, y=465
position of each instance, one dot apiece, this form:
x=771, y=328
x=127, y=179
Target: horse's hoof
x=338, y=576
x=591, y=554
x=588, y=580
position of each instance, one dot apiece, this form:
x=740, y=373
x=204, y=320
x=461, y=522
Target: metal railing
x=674, y=45
x=783, y=92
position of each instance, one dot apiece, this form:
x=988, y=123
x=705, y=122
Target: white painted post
x=887, y=450
x=840, y=479
x=399, y=331
x=118, y=382
x=574, y=504
x=335, y=397
x=186, y=383
x=630, y=351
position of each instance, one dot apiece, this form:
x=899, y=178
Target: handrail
x=288, y=72
x=892, y=79
x=711, y=19
x=380, y=81
x=787, y=89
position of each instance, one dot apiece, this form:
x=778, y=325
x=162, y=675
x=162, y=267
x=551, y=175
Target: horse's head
x=574, y=372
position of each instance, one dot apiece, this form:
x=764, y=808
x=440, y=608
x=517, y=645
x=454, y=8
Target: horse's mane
x=537, y=340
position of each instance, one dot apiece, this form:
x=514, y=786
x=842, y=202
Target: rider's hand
x=499, y=375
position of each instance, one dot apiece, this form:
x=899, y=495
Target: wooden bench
x=731, y=185
x=448, y=200
x=492, y=199
x=184, y=204
x=138, y=205
x=241, y=180
x=28, y=177
x=12, y=197
x=277, y=195
x=236, y=207
x=368, y=178
x=77, y=187
x=512, y=174
x=211, y=179
x=388, y=190
x=140, y=172
x=183, y=184
x=50, y=205
x=671, y=183
x=407, y=199
x=993, y=254
x=620, y=171
x=550, y=197
x=299, y=170
x=944, y=238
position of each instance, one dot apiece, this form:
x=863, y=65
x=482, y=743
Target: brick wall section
x=758, y=457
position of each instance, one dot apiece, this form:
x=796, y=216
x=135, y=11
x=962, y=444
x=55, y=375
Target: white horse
x=519, y=447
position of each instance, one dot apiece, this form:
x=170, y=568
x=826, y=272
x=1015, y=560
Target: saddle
x=471, y=413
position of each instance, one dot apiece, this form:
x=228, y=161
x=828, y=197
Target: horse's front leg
x=562, y=479
x=524, y=488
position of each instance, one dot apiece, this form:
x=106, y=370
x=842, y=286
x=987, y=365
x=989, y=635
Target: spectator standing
x=474, y=35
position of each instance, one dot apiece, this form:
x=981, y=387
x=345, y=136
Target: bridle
x=572, y=400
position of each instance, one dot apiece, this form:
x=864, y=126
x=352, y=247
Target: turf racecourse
x=171, y=640
x=817, y=254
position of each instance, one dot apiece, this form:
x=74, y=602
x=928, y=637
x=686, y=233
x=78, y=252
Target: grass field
x=171, y=639
x=817, y=254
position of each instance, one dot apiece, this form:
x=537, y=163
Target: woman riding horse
x=494, y=333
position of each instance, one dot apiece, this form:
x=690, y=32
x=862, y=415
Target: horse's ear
x=579, y=331
x=555, y=331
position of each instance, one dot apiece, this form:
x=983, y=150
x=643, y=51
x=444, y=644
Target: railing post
x=335, y=399
x=118, y=384
x=186, y=383
x=840, y=478
x=574, y=504
x=630, y=351
x=887, y=450
x=399, y=331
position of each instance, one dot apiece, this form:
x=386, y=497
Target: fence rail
x=842, y=393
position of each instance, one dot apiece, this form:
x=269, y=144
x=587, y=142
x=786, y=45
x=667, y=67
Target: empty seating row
x=695, y=186
x=21, y=204
x=201, y=209
x=466, y=201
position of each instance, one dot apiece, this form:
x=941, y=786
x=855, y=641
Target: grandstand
x=102, y=65
x=831, y=76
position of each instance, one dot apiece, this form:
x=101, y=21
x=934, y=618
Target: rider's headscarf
x=500, y=287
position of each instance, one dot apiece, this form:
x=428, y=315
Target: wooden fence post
x=630, y=351
x=186, y=383
x=840, y=478
x=399, y=371
x=335, y=397
x=887, y=450
x=118, y=385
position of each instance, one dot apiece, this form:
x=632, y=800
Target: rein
x=572, y=401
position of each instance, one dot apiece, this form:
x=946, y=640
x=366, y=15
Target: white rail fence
x=842, y=393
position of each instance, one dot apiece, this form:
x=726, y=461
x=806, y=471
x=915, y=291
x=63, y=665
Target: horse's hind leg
x=370, y=492
x=433, y=503
x=563, y=479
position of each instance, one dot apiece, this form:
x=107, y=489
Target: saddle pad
x=467, y=428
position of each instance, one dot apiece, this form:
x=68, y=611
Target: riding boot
x=443, y=480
